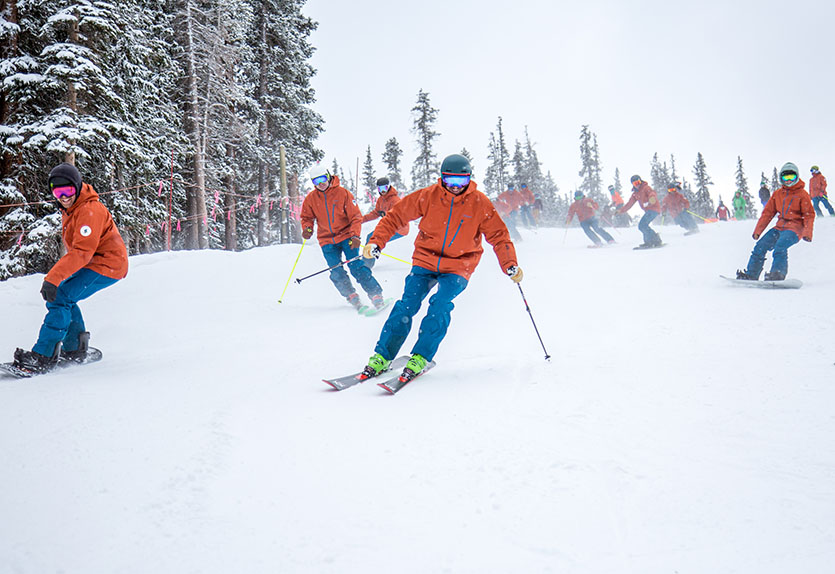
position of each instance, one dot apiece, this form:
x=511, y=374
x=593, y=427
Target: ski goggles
x=455, y=180
x=788, y=177
x=63, y=191
x=319, y=179
x=383, y=188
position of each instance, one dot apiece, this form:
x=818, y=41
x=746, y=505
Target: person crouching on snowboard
x=96, y=258
x=585, y=209
x=333, y=209
x=648, y=200
x=454, y=215
x=388, y=198
x=796, y=218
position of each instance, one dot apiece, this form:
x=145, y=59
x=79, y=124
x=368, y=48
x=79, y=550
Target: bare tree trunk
x=231, y=227
x=10, y=50
x=72, y=94
x=293, y=193
x=263, y=168
x=197, y=237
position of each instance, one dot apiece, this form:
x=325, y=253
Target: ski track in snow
x=682, y=425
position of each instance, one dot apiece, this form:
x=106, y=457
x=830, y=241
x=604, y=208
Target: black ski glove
x=49, y=291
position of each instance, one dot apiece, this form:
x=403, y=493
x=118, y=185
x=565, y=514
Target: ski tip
x=330, y=384
x=386, y=388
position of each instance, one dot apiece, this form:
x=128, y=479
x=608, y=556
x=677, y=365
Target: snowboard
x=784, y=284
x=93, y=356
x=371, y=310
x=341, y=383
x=394, y=384
x=642, y=247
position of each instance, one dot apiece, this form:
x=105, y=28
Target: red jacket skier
x=646, y=197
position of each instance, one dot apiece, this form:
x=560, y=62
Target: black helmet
x=383, y=181
x=635, y=178
x=578, y=194
x=456, y=164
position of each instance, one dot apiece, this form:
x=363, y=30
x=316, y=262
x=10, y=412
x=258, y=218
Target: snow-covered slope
x=683, y=425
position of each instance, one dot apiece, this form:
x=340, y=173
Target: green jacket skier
x=739, y=206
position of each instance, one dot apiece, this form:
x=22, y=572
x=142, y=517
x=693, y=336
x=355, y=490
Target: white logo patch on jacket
x=85, y=231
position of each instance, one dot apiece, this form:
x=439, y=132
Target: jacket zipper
x=446, y=232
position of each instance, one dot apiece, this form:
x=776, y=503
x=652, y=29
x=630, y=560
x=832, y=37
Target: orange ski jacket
x=384, y=203
x=794, y=209
x=451, y=228
x=335, y=211
x=817, y=185
x=675, y=203
x=584, y=209
x=92, y=240
x=646, y=198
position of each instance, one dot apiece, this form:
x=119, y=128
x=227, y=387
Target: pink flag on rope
x=20, y=239
x=148, y=230
x=258, y=201
x=229, y=215
x=217, y=196
x=159, y=192
x=178, y=225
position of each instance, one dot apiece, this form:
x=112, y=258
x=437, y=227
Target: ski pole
x=280, y=299
x=528, y=308
x=564, y=235
x=332, y=267
x=391, y=256
x=612, y=225
x=697, y=215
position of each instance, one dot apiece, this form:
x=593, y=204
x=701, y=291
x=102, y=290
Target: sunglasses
x=787, y=177
x=456, y=180
x=383, y=188
x=320, y=179
x=63, y=191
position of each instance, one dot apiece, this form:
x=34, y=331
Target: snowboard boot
x=774, y=276
x=656, y=241
x=743, y=274
x=35, y=362
x=378, y=301
x=354, y=300
x=413, y=367
x=376, y=365
x=80, y=354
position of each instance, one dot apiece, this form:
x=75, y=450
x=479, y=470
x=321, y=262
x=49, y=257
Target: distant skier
x=333, y=209
x=619, y=219
x=454, y=215
x=388, y=197
x=96, y=258
x=676, y=206
x=796, y=218
x=739, y=204
x=722, y=212
x=502, y=207
x=527, y=200
x=648, y=200
x=765, y=193
x=817, y=189
x=585, y=209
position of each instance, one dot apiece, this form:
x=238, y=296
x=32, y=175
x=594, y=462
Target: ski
x=93, y=356
x=784, y=284
x=642, y=247
x=342, y=383
x=371, y=310
x=395, y=383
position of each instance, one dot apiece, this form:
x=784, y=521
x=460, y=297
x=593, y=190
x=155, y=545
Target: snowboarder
x=454, y=215
x=585, y=209
x=339, y=221
x=676, y=206
x=648, y=200
x=817, y=189
x=739, y=204
x=387, y=199
x=722, y=212
x=96, y=258
x=796, y=218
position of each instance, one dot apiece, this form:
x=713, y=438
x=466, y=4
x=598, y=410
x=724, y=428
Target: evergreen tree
x=703, y=202
x=532, y=172
x=590, y=166
x=425, y=170
x=369, y=176
x=496, y=177
x=673, y=175
x=518, y=162
x=391, y=159
x=469, y=157
x=554, y=205
x=618, y=185
x=775, y=181
x=742, y=186
x=659, y=177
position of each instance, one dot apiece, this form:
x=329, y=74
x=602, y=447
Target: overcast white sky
x=734, y=77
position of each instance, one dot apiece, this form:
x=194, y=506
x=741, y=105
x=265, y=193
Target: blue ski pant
x=333, y=254
x=590, y=226
x=775, y=239
x=434, y=325
x=649, y=233
x=685, y=220
x=63, y=321
x=816, y=201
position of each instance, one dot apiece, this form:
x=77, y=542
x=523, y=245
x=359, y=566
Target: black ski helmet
x=635, y=178
x=456, y=164
x=383, y=181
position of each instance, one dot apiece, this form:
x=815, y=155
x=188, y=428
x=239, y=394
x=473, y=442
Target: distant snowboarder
x=585, y=209
x=796, y=218
x=334, y=210
x=454, y=215
x=96, y=258
x=648, y=200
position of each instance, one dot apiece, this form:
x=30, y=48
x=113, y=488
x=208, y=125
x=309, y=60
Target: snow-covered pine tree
x=742, y=186
x=617, y=183
x=533, y=167
x=469, y=157
x=590, y=167
x=659, y=177
x=775, y=181
x=496, y=176
x=391, y=159
x=703, y=202
x=425, y=170
x=673, y=175
x=369, y=178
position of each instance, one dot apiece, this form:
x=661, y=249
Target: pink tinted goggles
x=63, y=191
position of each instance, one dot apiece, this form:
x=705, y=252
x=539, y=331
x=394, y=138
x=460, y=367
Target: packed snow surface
x=682, y=426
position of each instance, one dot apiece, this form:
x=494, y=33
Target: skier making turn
x=646, y=197
x=796, y=218
x=586, y=209
x=454, y=215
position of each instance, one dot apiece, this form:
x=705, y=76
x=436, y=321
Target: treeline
x=180, y=107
